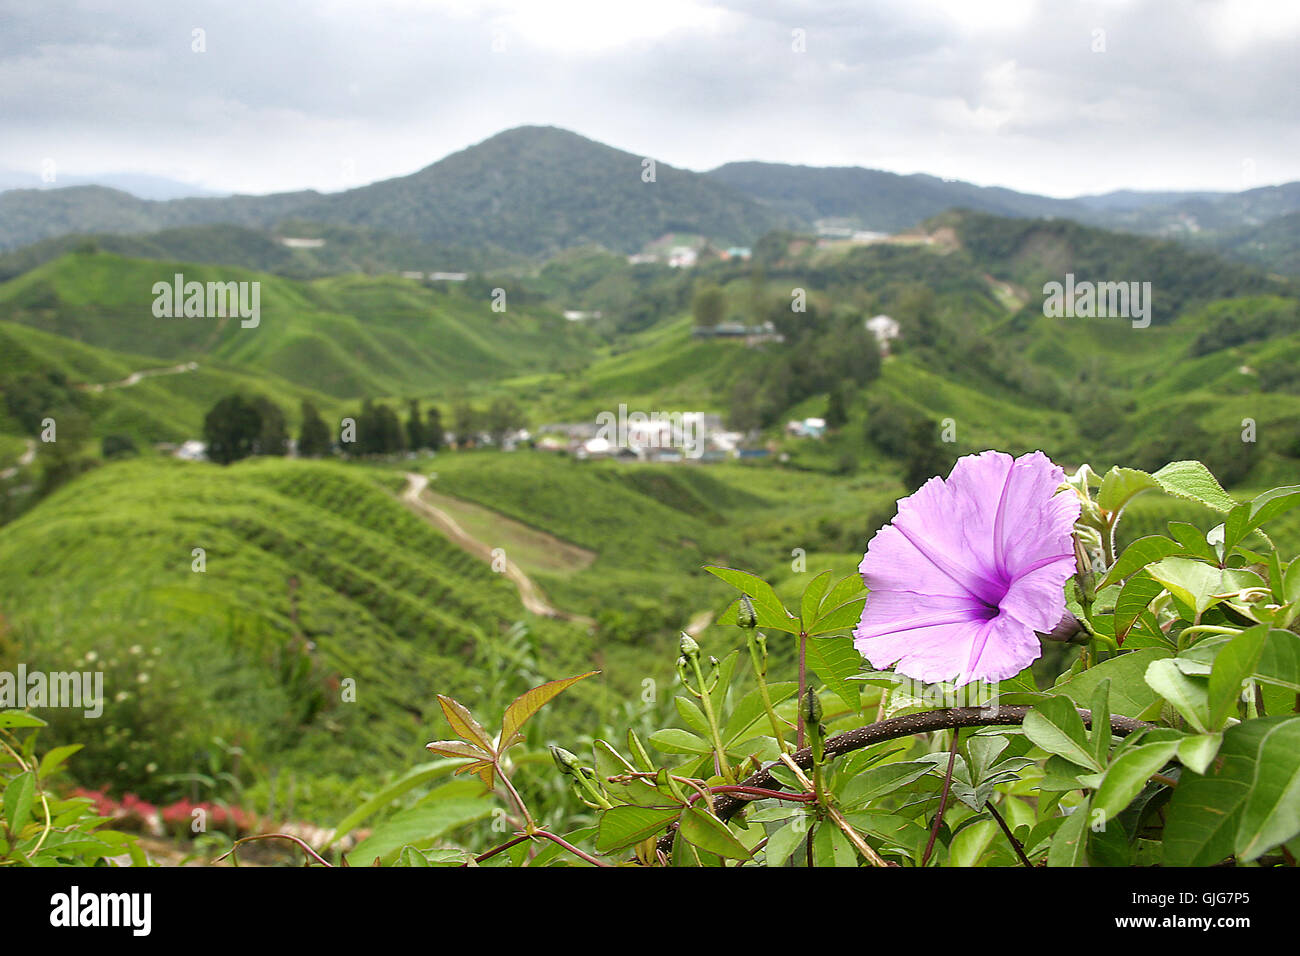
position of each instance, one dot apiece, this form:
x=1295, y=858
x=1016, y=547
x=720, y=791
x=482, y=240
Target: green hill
x=164, y=407
x=315, y=575
x=347, y=336
x=529, y=190
x=344, y=249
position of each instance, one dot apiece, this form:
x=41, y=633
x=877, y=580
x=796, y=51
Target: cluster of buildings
x=436, y=276
x=750, y=334
x=682, y=256
x=656, y=437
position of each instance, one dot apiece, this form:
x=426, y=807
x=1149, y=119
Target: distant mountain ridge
x=535, y=191
x=531, y=190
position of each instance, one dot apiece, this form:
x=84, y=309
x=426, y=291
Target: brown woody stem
x=950, y=718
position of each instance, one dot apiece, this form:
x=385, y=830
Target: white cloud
x=299, y=93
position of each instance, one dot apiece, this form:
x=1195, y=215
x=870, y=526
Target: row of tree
x=238, y=426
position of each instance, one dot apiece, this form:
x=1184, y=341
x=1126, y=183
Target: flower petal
x=969, y=569
x=962, y=652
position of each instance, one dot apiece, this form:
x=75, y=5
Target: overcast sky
x=1050, y=96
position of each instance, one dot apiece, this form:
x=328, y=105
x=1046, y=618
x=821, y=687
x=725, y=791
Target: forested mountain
x=535, y=191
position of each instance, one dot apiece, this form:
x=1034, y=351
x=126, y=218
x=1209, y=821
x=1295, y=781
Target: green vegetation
x=317, y=581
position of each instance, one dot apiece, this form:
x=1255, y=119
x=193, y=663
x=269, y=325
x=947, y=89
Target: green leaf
x=1244, y=519
x=1070, y=844
x=785, y=840
x=846, y=589
x=1271, y=813
x=875, y=783
x=1055, y=726
x=19, y=718
x=765, y=618
x=759, y=591
x=1193, y=540
x=831, y=848
x=1191, y=479
x=621, y=827
x=1192, y=582
x=1188, y=694
x=834, y=660
x=841, y=617
x=1204, y=814
x=1122, y=485
x=410, y=856
x=1135, y=597
x=1197, y=751
x=1233, y=665
x=1130, y=694
x=1138, y=555
x=18, y=798
x=750, y=717
x=530, y=702
x=1279, y=662
x=1099, y=707
x=408, y=781
x=673, y=740
x=812, y=599
x=54, y=759
x=692, y=716
x=702, y=829
x=420, y=826
x=1128, y=774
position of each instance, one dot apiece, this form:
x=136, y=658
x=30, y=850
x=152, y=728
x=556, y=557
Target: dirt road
x=529, y=593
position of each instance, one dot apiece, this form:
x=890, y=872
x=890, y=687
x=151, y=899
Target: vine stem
x=1011, y=837
x=302, y=845
x=803, y=679
x=570, y=847
x=943, y=799
x=726, y=806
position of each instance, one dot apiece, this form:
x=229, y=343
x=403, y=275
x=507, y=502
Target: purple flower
x=969, y=570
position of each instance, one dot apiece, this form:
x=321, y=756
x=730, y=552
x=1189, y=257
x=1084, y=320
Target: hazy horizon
x=1096, y=97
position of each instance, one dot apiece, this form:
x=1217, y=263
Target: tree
x=837, y=412
x=925, y=456
x=433, y=430
x=415, y=435
x=464, y=423
x=231, y=429
x=118, y=446
x=390, y=436
x=61, y=459
x=888, y=426
x=745, y=414
x=503, y=417
x=709, y=305
x=314, y=439
x=273, y=436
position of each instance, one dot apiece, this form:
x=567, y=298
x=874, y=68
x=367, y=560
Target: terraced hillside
x=314, y=580
x=348, y=336
x=137, y=396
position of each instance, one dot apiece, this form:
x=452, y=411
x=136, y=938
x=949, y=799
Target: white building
x=193, y=450
x=884, y=328
x=682, y=257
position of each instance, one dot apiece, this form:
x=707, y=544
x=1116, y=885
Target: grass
x=536, y=552
x=344, y=336
x=314, y=576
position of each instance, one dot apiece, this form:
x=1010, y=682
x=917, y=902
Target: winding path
x=25, y=459
x=135, y=378
x=529, y=593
